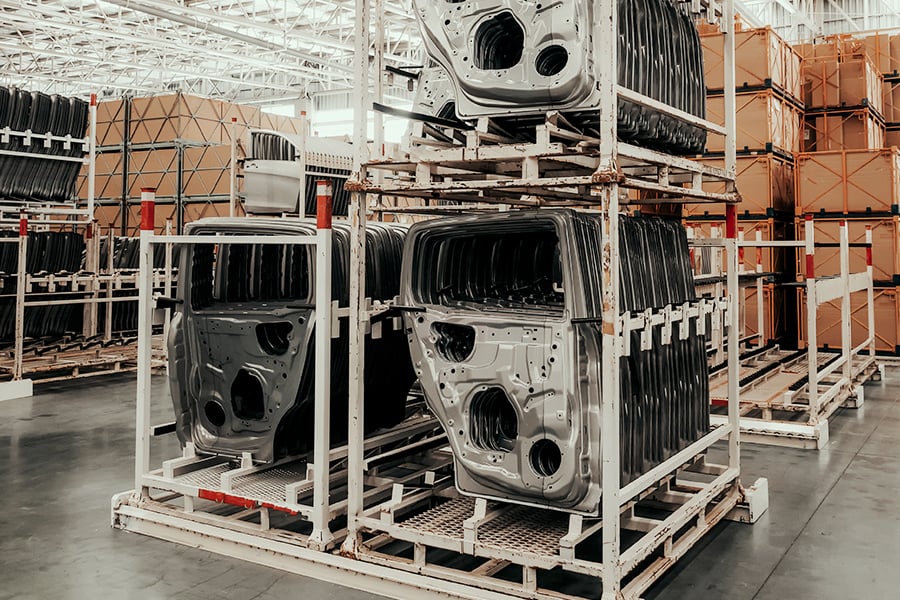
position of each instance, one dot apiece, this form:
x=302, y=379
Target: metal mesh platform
x=209, y=478
x=444, y=520
x=266, y=485
x=269, y=485
x=526, y=530
x=516, y=528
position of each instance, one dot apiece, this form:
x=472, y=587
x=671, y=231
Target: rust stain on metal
x=608, y=176
x=358, y=186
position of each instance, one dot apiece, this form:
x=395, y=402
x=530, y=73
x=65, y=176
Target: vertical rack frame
x=320, y=512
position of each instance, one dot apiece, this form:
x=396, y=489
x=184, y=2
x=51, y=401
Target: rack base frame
x=689, y=502
x=19, y=388
x=811, y=433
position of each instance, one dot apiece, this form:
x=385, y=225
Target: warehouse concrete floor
x=833, y=529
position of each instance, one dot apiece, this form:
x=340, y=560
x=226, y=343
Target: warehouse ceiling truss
x=241, y=50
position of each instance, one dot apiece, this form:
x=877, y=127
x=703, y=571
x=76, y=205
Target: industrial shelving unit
x=405, y=532
x=18, y=214
x=92, y=352
x=787, y=396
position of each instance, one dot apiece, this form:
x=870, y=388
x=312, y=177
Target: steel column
x=870, y=293
x=321, y=535
x=846, y=329
x=144, y=341
x=357, y=216
x=812, y=343
x=232, y=170
x=21, y=283
x=605, y=41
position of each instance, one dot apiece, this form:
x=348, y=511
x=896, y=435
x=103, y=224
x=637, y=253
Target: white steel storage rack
x=406, y=533
x=91, y=353
x=787, y=397
x=295, y=501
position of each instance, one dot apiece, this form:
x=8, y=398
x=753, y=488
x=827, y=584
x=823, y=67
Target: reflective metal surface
x=241, y=346
x=514, y=61
x=507, y=348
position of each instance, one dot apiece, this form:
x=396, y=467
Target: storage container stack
x=769, y=122
x=177, y=143
x=849, y=171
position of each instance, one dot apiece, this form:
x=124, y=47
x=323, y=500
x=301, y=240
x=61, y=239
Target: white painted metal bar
x=760, y=296
x=302, y=160
x=92, y=263
x=733, y=349
x=232, y=170
x=655, y=474
x=758, y=243
x=660, y=107
x=828, y=289
x=357, y=216
x=110, y=267
x=21, y=276
x=167, y=285
x=859, y=282
x=865, y=344
x=321, y=535
x=727, y=26
x=35, y=209
x=144, y=341
x=870, y=294
x=234, y=239
x=50, y=157
x=846, y=324
x=812, y=349
x=605, y=40
x=46, y=138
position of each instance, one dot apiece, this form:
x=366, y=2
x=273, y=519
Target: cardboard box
x=892, y=137
x=849, y=181
x=762, y=58
x=764, y=181
x=848, y=83
x=207, y=171
x=821, y=82
x=878, y=48
x=153, y=168
x=107, y=177
x=828, y=321
x=861, y=84
x=885, y=247
x=765, y=122
x=854, y=130
x=165, y=119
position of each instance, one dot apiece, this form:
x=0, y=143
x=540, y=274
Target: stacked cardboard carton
x=176, y=143
x=769, y=111
x=850, y=172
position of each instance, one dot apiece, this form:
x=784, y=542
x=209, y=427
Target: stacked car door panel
x=514, y=61
x=241, y=347
x=47, y=253
x=507, y=347
x=126, y=258
x=272, y=175
x=27, y=178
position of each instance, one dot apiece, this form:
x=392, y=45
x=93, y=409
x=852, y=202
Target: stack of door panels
x=849, y=172
x=769, y=132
